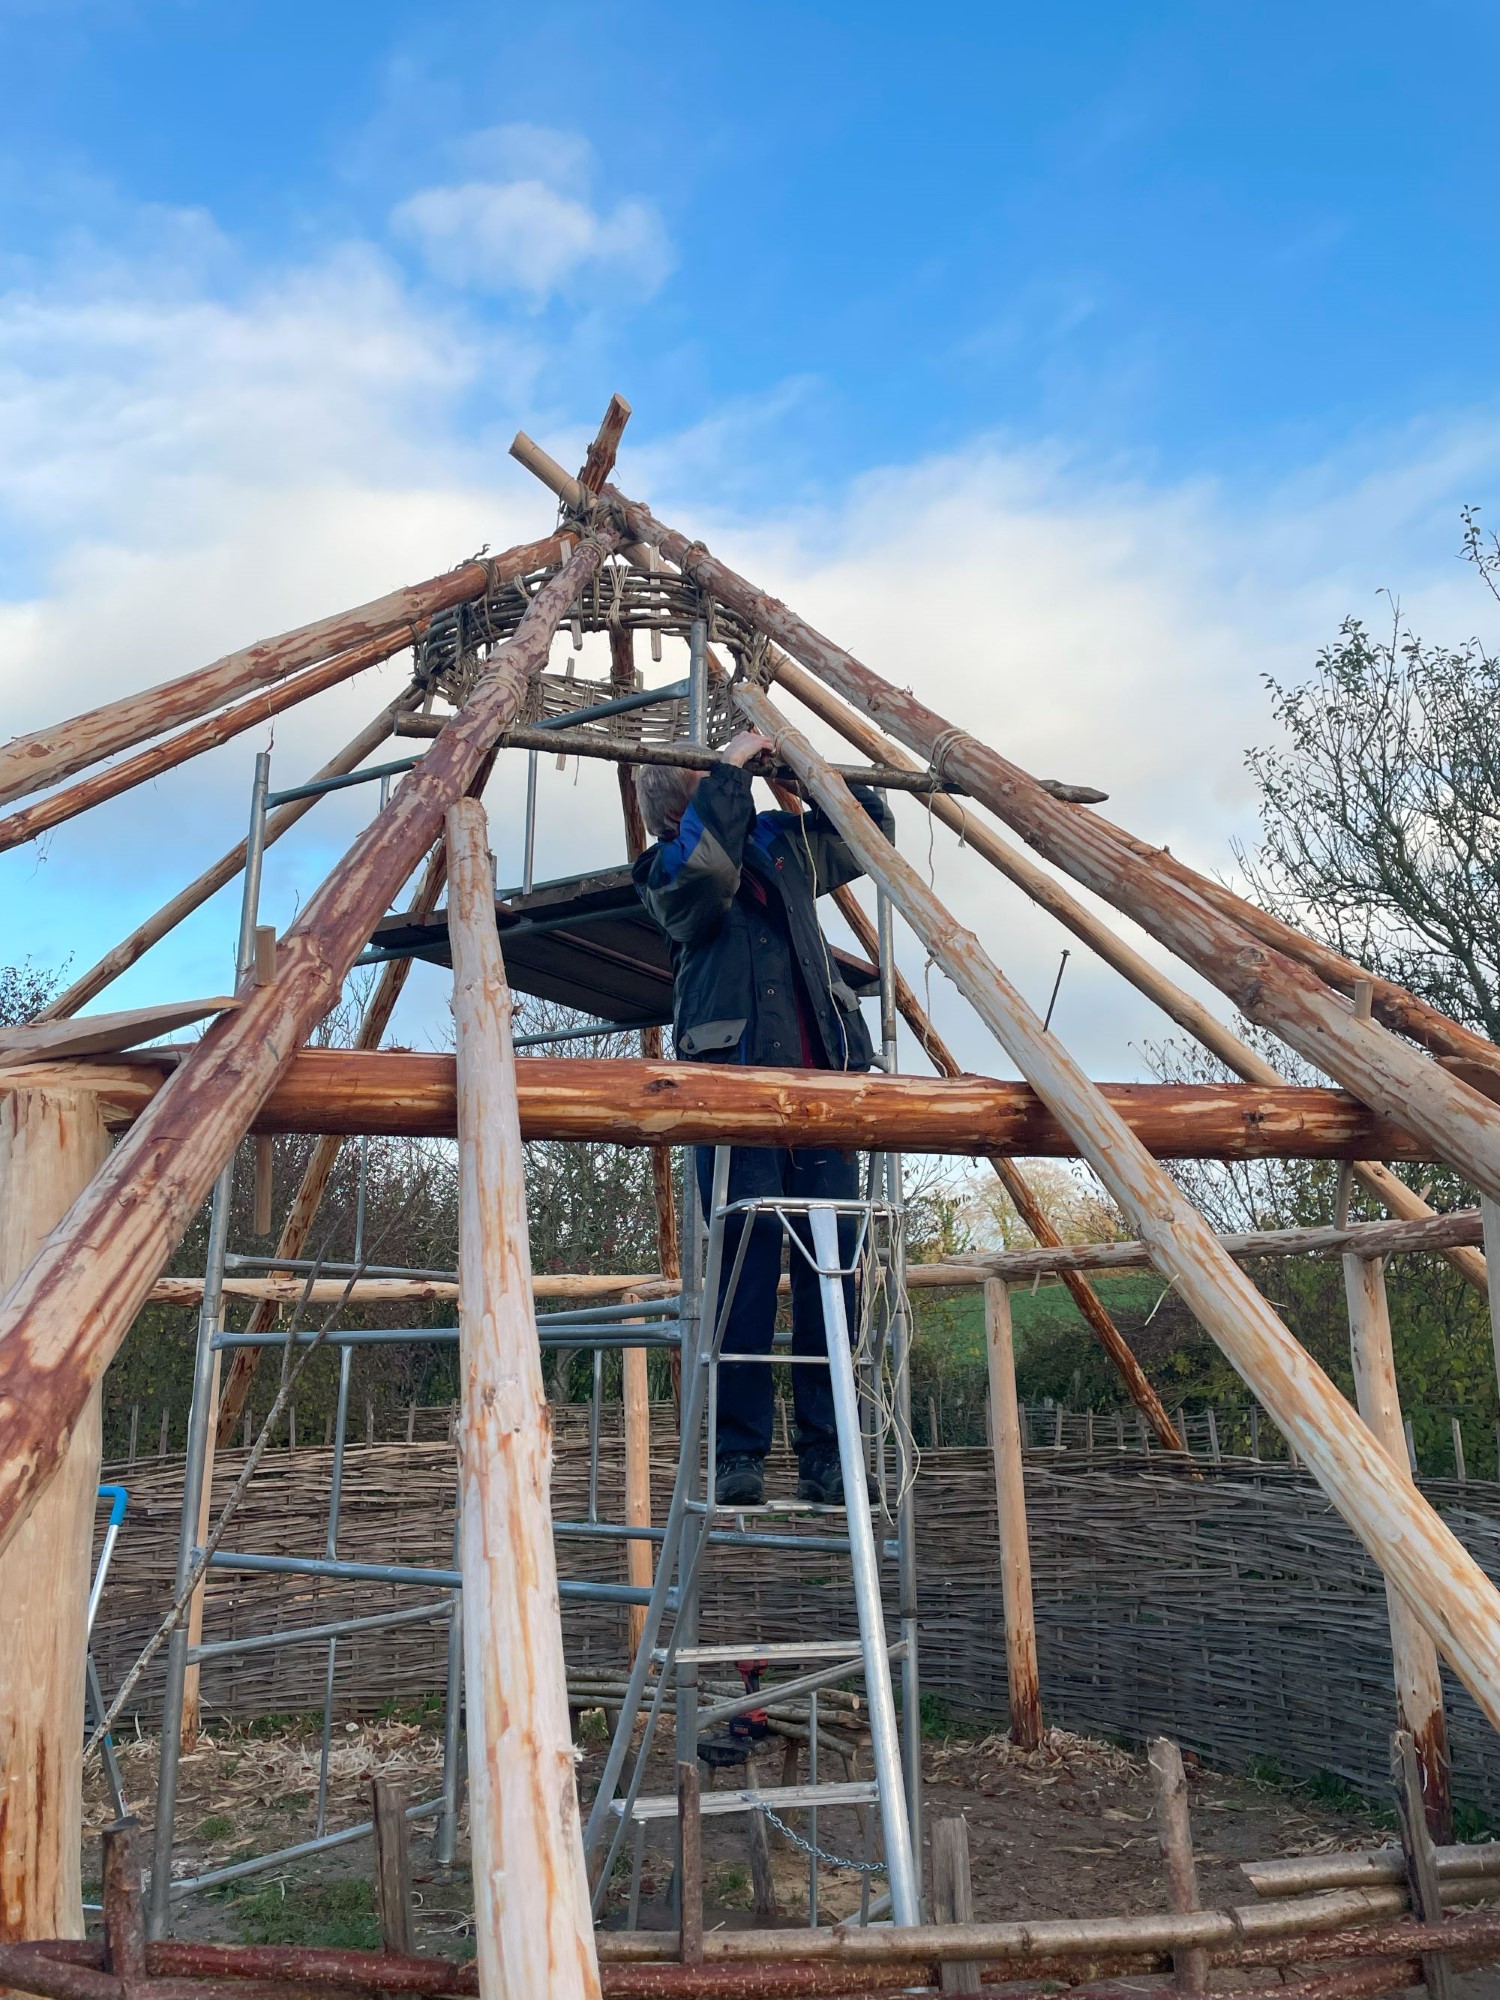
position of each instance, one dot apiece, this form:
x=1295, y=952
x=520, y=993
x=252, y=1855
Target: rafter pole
x=1462, y=1124
x=1053, y=896
x=66, y=1315
x=534, y=1929
x=32, y=821
x=1096, y=1314
x=316, y=1175
x=125, y=954
x=29, y=763
x=1423, y=1558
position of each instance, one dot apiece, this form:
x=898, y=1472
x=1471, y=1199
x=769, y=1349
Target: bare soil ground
x=1064, y=1830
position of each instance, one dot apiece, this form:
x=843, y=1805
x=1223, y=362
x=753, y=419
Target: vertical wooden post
x=51, y=1145
x=1419, y=1690
x=689, y=1867
x=535, y=1932
x=639, y=1557
x=1420, y=1855
x=392, y=1866
x=1175, y=1833
x=192, y=1679
x=1010, y=1506
x=953, y=1896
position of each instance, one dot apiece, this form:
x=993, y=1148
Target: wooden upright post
x=1175, y=1835
x=535, y=1930
x=1419, y=1689
x=1010, y=1507
x=51, y=1145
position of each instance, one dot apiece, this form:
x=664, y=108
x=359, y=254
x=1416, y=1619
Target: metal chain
x=817, y=1853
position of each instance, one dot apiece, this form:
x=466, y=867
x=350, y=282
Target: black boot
x=740, y=1480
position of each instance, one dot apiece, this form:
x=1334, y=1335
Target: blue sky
x=1153, y=338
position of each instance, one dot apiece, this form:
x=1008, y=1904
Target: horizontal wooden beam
x=1359, y=1239
x=403, y=1093
x=96, y=1034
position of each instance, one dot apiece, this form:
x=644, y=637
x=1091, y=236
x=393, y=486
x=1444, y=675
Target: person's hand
x=745, y=748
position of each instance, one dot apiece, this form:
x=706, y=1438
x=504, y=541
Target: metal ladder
x=867, y=1426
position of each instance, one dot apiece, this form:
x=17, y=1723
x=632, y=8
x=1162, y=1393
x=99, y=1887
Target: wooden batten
x=51, y=1145
x=103, y=1034
x=1421, y=1556
x=31, y=763
x=66, y=1315
x=534, y=1929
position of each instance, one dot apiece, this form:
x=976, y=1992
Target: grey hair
x=663, y=791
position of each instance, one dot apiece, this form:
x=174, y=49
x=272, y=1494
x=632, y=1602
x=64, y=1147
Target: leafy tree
x=1380, y=811
x=25, y=990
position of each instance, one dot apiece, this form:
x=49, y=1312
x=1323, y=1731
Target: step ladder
x=870, y=1394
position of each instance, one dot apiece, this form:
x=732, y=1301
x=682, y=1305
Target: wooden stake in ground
x=66, y=1315
x=1010, y=1508
x=1419, y=1688
x=1455, y=1600
x=534, y=1930
x=1175, y=1833
x=50, y=1147
x=953, y=1897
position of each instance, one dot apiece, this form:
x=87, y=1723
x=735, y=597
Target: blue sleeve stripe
x=675, y=854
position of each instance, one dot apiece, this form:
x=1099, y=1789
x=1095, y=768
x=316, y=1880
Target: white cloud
x=521, y=221
x=187, y=465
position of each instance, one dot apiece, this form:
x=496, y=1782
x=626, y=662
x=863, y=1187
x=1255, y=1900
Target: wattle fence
x=1220, y=1602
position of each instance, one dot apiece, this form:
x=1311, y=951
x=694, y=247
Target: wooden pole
x=1054, y=897
x=953, y=1897
x=640, y=1566
x=65, y=1316
x=1420, y=1554
x=600, y=462
x=1421, y=1859
x=1174, y=1832
x=316, y=1175
x=38, y=819
x=393, y=1898
x=1460, y=1122
x=50, y=1147
x=193, y=1675
x=29, y=763
x=1490, y=1214
x=1021, y=1670
x=534, y=1929
x=155, y=928
x=407, y=1094
x=1419, y=1687
x=1030, y=1210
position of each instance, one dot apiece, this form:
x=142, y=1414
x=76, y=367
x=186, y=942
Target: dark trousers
x=745, y=1405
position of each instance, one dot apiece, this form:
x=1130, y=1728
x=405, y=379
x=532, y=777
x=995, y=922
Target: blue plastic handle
x=119, y=1499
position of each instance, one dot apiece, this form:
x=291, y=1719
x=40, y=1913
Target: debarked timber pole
x=534, y=1928
x=1055, y=897
x=66, y=1315
x=1460, y=1122
x=29, y=763
x=1450, y=1593
x=401, y=1093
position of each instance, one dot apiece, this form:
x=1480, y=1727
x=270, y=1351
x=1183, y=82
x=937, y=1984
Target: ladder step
x=780, y=1798
x=783, y=1507
x=780, y=1649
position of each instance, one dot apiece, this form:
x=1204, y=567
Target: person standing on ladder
x=754, y=982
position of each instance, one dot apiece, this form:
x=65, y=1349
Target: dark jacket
x=736, y=955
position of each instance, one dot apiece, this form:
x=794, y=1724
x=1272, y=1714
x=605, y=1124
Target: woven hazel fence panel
x=1225, y=1604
